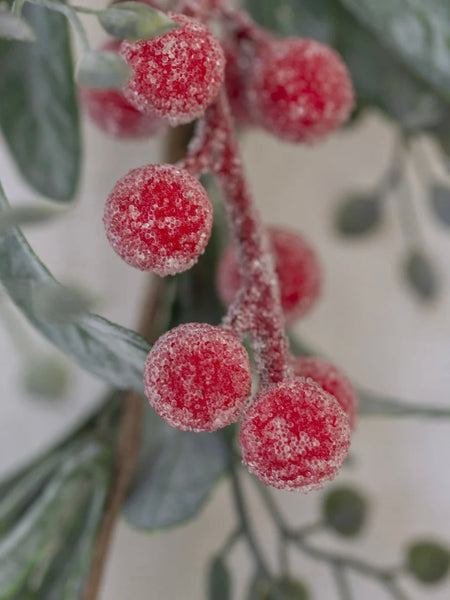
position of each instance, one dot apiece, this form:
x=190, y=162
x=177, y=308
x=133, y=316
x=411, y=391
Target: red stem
x=257, y=308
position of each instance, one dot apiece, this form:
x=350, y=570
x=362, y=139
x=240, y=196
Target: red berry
x=301, y=89
x=331, y=380
x=198, y=376
x=158, y=218
x=113, y=114
x=295, y=436
x=296, y=266
x=178, y=74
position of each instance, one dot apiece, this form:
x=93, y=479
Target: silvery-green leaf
x=440, y=202
x=14, y=27
x=103, y=70
x=38, y=107
x=175, y=474
x=418, y=32
x=28, y=215
x=111, y=352
x=135, y=21
x=61, y=304
x=421, y=275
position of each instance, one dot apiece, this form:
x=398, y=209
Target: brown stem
x=130, y=429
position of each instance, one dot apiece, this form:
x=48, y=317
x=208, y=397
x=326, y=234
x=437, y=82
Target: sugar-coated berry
x=296, y=266
x=332, y=380
x=295, y=436
x=301, y=89
x=158, y=218
x=176, y=75
x=198, y=377
x=113, y=114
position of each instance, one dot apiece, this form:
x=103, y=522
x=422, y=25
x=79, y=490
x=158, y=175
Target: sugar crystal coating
x=295, y=436
x=296, y=266
x=332, y=380
x=198, y=377
x=113, y=114
x=176, y=75
x=158, y=218
x=301, y=88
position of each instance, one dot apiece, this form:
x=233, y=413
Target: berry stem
x=257, y=308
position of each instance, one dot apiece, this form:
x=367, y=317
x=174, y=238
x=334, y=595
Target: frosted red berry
x=198, y=377
x=176, y=75
x=332, y=380
x=295, y=436
x=158, y=218
x=301, y=88
x=113, y=114
x=296, y=266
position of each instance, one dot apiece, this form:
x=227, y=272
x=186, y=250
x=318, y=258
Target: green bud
x=344, y=511
x=46, y=377
x=135, y=21
x=428, y=562
x=421, y=275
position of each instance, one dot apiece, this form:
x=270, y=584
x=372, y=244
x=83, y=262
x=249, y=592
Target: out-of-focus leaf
x=38, y=111
x=135, y=21
x=358, y=215
x=32, y=543
x=175, y=474
x=345, y=511
x=421, y=275
x=428, y=561
x=282, y=588
x=14, y=27
x=28, y=215
x=103, y=70
x=440, y=202
x=111, y=352
x=417, y=32
x=219, y=581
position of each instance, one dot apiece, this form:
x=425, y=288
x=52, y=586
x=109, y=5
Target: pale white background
x=367, y=322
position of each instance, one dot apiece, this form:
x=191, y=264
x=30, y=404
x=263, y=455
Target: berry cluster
x=158, y=218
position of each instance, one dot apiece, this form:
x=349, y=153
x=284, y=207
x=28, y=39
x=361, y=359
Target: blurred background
x=368, y=322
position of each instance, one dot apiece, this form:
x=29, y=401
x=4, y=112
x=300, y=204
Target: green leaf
x=175, y=474
x=135, y=21
x=28, y=215
x=417, y=32
x=428, y=562
x=219, y=581
x=32, y=544
x=344, y=511
x=358, y=215
x=421, y=275
x=103, y=70
x=14, y=27
x=111, y=352
x=39, y=114
x=440, y=203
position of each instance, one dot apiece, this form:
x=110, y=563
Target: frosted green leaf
x=135, y=21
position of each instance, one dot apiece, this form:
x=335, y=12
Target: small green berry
x=428, y=562
x=344, y=511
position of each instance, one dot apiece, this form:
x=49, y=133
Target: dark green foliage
x=219, y=581
x=358, y=215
